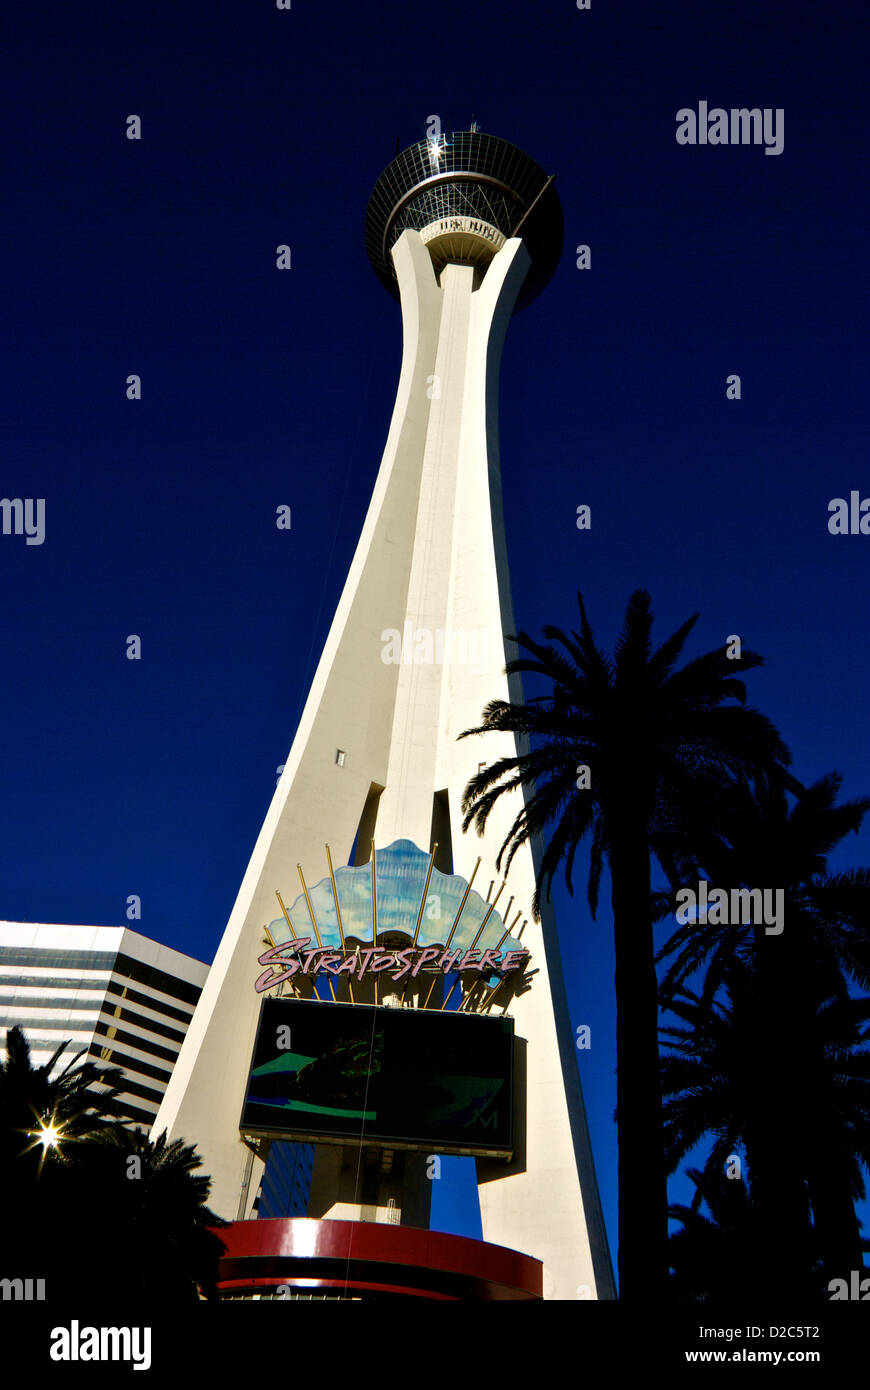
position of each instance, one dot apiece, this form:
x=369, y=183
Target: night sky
x=263, y=127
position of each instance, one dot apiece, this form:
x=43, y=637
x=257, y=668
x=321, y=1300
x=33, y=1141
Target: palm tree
x=710, y=1255
x=43, y=1117
x=717, y=1082
x=792, y=989
x=84, y=1193
x=143, y=1215
x=659, y=742
x=757, y=837
x=37, y=1107
x=718, y=1085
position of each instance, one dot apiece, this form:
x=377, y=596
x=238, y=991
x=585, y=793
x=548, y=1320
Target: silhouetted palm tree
x=71, y=1104
x=711, y=1255
x=658, y=742
x=757, y=837
x=144, y=1220
x=718, y=1083
x=43, y=1116
x=791, y=987
x=90, y=1203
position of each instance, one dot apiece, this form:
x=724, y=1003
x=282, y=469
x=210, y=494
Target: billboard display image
x=399, y=1077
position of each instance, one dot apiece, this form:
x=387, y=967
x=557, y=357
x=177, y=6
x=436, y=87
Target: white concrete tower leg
x=546, y=1203
x=350, y=706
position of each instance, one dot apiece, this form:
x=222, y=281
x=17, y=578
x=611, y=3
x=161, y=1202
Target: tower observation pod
x=466, y=196
x=381, y=989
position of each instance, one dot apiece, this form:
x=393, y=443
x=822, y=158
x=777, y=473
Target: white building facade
x=115, y=995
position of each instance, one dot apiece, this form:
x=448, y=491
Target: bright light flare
x=49, y=1136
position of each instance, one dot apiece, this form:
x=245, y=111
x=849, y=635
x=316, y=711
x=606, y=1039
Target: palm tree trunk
x=836, y=1222
x=643, y=1193
x=828, y=1158
x=830, y=1173
x=775, y=1109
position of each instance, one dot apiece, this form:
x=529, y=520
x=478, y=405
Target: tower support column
x=415, y=652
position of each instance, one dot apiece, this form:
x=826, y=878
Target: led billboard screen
x=401, y=1078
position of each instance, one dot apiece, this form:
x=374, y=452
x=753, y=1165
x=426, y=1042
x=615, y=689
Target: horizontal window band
x=132, y=1112
x=49, y=983
x=158, y=979
x=44, y=1024
x=149, y=1001
x=129, y=1064
x=58, y=959
x=130, y=1016
x=121, y=964
x=131, y=1040
x=137, y=1089
x=17, y=1001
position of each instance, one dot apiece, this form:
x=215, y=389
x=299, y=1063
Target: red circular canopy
x=366, y=1259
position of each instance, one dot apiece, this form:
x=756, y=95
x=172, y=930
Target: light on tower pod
x=435, y=147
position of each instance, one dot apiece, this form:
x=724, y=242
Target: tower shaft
x=415, y=652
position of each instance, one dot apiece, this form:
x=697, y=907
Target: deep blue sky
x=263, y=127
